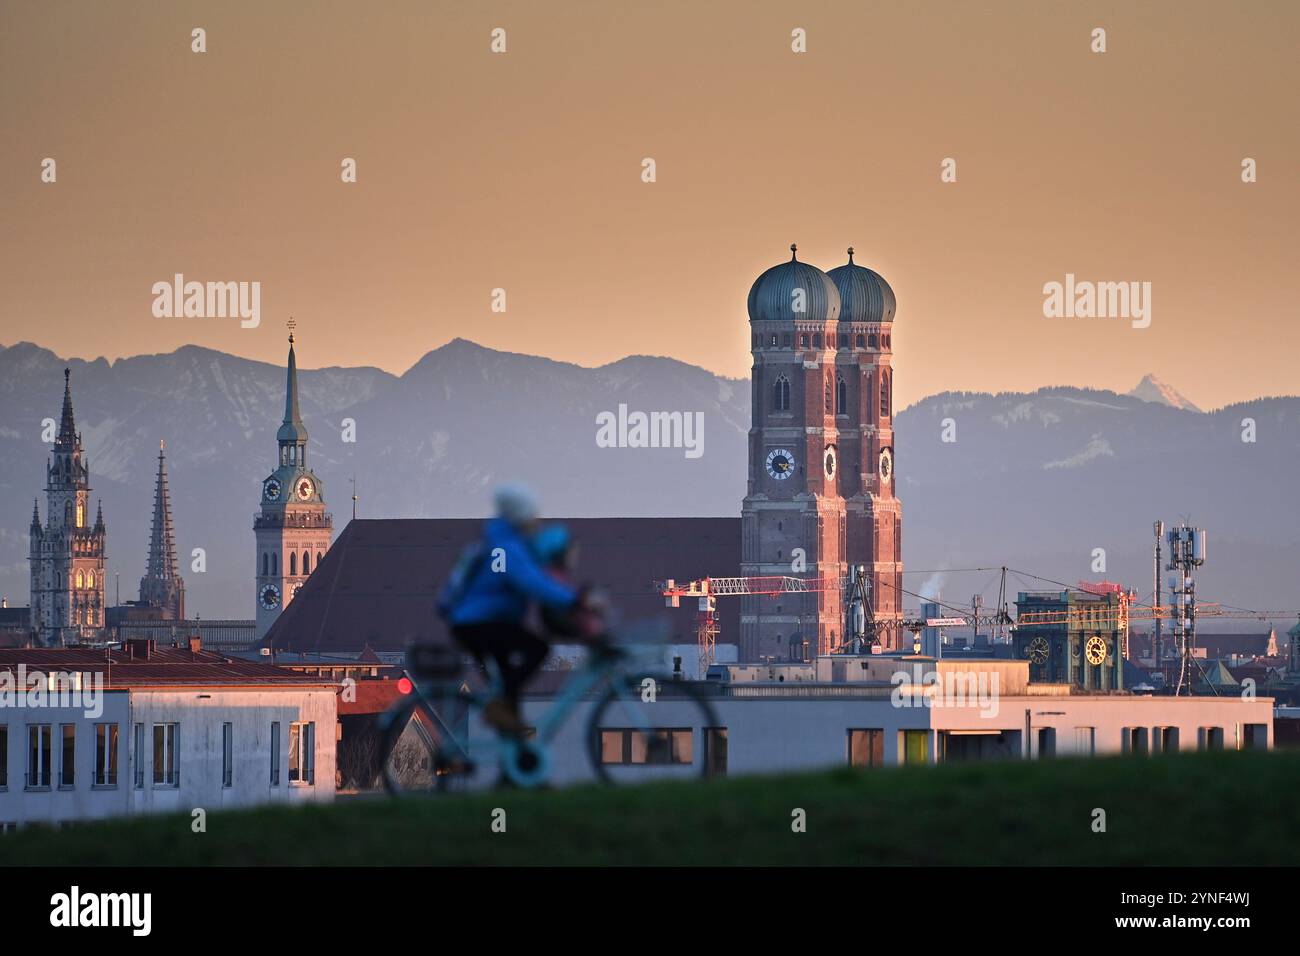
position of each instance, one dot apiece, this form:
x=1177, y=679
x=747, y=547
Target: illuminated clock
x=270, y=597
x=1095, y=651
x=830, y=462
x=780, y=464
x=1037, y=650
x=271, y=489
x=886, y=464
x=304, y=488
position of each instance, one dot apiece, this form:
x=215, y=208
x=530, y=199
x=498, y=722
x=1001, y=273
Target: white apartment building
x=855, y=711
x=87, y=734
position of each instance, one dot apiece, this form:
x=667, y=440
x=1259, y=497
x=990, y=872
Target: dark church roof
x=378, y=582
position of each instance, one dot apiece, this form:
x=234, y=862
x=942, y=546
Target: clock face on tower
x=886, y=465
x=830, y=462
x=271, y=489
x=1095, y=650
x=304, y=488
x=780, y=464
x=269, y=597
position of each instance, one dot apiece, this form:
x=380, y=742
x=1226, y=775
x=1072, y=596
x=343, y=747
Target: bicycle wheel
x=653, y=728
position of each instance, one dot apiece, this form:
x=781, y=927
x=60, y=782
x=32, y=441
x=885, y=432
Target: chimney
x=139, y=649
x=196, y=644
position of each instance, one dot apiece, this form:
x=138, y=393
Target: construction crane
x=707, y=590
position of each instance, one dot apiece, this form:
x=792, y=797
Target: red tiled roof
x=165, y=666
x=378, y=582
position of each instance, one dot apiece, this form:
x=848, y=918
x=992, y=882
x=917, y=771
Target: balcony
x=292, y=520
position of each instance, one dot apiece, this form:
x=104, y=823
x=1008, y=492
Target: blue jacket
x=490, y=596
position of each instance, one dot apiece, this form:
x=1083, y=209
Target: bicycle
x=640, y=726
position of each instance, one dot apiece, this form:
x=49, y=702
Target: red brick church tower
x=821, y=479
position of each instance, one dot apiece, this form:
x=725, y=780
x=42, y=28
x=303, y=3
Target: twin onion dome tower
x=820, y=499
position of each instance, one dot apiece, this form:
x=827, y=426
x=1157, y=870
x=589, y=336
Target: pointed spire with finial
x=99, y=515
x=67, y=425
x=794, y=250
x=850, y=255
x=161, y=585
x=36, y=516
x=292, y=430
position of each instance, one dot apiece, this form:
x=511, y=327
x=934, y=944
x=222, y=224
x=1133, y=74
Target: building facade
x=293, y=530
x=820, y=498
x=67, y=551
x=1071, y=637
x=169, y=730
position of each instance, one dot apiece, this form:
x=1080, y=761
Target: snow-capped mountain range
x=1035, y=481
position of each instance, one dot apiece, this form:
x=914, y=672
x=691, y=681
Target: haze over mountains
x=1034, y=481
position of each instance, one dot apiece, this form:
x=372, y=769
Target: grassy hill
x=1192, y=809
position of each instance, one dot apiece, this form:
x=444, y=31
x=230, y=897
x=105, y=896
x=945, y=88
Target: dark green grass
x=1194, y=809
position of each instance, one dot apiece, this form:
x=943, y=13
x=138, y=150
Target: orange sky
x=522, y=171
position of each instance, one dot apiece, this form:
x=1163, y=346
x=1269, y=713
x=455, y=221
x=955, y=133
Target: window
x=1085, y=741
x=884, y=395
x=773, y=340
x=4, y=756
x=306, y=562
x=81, y=581
x=867, y=748
x=275, y=753
x=656, y=746
x=841, y=396
x=817, y=340
x=275, y=564
x=105, y=755
x=803, y=341
x=785, y=341
x=166, y=764
x=1134, y=740
x=1211, y=738
x=1255, y=736
x=715, y=751
x=860, y=341
x=137, y=756
x=916, y=746
x=90, y=580
x=293, y=563
x=227, y=754
x=266, y=564
x=39, y=744
x=302, y=762
x=67, y=755
x=781, y=394
x=1046, y=742
x=844, y=340
x=1165, y=740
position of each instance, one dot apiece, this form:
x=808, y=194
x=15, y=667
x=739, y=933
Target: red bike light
x=404, y=685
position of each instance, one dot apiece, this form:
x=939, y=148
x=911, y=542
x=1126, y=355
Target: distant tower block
x=821, y=455
x=293, y=529
x=162, y=586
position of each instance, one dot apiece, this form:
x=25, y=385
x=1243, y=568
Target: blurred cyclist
x=487, y=599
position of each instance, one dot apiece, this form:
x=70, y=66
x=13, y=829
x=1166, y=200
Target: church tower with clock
x=293, y=529
x=820, y=499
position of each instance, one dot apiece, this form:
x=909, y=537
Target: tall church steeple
x=162, y=585
x=293, y=530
